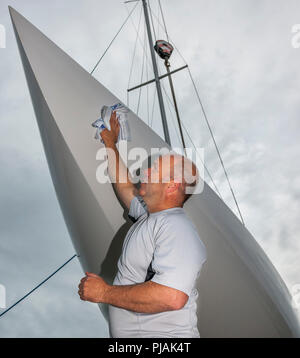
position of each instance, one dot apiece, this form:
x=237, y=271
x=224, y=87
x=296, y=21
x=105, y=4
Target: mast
x=157, y=81
x=167, y=64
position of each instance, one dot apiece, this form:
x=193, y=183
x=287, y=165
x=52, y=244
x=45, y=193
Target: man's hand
x=92, y=288
x=145, y=297
x=111, y=137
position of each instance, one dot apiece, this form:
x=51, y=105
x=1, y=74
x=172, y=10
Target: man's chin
x=142, y=191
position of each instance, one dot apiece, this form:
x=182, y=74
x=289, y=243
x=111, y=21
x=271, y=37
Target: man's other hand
x=111, y=137
x=92, y=288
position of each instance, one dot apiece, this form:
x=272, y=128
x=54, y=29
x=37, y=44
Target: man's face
x=151, y=180
x=155, y=179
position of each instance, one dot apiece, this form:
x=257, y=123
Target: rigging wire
x=113, y=39
x=152, y=22
x=133, y=57
x=142, y=75
x=173, y=120
x=210, y=130
x=147, y=88
x=39, y=285
x=140, y=40
x=155, y=38
x=157, y=29
x=162, y=15
x=184, y=127
x=154, y=99
x=217, y=148
x=148, y=63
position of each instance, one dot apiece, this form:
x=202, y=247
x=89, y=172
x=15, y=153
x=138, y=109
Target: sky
x=242, y=59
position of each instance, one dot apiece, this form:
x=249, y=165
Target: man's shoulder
x=179, y=224
x=177, y=231
x=177, y=218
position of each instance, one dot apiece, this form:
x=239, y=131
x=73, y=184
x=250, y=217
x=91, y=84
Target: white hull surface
x=240, y=292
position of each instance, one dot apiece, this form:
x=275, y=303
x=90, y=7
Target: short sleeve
x=137, y=207
x=179, y=255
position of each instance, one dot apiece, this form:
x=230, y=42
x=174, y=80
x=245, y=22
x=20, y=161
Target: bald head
x=170, y=177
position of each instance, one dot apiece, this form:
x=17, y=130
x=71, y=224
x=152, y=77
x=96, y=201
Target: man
x=153, y=293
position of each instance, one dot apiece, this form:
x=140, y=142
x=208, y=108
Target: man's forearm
x=117, y=170
x=147, y=297
x=119, y=175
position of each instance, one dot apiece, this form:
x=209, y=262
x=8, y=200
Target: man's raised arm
x=118, y=172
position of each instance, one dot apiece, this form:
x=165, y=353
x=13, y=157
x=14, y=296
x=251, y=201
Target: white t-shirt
x=165, y=247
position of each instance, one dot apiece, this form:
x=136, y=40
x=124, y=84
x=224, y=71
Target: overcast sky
x=241, y=56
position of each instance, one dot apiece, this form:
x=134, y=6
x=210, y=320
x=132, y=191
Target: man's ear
x=172, y=187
